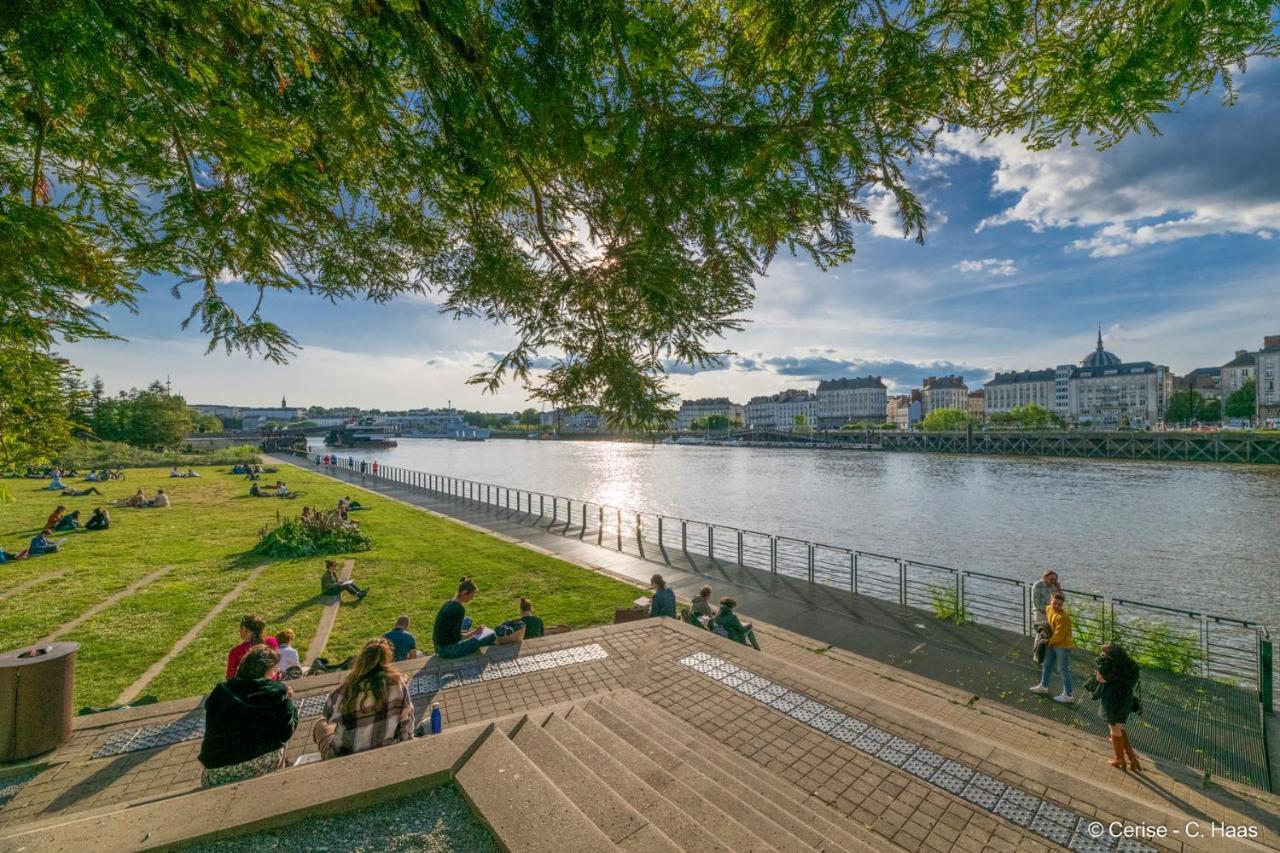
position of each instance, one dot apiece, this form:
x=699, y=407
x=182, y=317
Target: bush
x=86, y=455
x=946, y=604
x=294, y=537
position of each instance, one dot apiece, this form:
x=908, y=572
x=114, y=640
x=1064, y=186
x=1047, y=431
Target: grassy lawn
x=207, y=537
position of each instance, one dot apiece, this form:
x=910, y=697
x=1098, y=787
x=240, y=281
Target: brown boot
x=1133, y=756
x=1117, y=746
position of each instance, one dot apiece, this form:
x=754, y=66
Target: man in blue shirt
x=664, y=600
x=403, y=645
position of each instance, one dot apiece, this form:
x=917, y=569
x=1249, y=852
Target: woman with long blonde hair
x=371, y=708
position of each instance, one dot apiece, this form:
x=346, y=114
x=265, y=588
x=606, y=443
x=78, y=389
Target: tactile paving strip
x=192, y=727
x=1036, y=814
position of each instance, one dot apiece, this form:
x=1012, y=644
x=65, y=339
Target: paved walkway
x=324, y=627
x=1213, y=728
x=134, y=690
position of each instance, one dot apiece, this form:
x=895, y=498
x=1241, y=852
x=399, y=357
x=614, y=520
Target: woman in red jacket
x=251, y=628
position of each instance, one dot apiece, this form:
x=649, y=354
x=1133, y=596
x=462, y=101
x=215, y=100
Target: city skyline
x=1170, y=249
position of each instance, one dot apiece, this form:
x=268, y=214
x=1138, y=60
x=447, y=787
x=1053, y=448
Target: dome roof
x=1100, y=357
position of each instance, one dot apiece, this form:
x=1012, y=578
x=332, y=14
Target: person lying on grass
x=136, y=500
x=79, y=493
x=10, y=556
x=71, y=521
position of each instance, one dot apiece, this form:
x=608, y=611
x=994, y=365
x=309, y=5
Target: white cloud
x=991, y=266
x=1210, y=173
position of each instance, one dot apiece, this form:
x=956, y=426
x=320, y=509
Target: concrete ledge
x=525, y=810
x=270, y=801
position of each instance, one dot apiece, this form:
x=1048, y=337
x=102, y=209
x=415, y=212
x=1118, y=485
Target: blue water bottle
x=437, y=724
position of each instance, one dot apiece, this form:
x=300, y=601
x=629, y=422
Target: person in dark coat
x=732, y=625
x=248, y=721
x=1113, y=685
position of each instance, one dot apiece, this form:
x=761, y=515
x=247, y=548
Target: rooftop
x=1017, y=376
x=847, y=382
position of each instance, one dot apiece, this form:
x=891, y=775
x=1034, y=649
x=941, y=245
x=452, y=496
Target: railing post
x=661, y=545
x=811, y=573
x=639, y=535
x=600, y=528
x=583, y=532
x=853, y=572
x=902, y=582
x=711, y=542
x=619, y=530
x=1265, y=675
x=684, y=536
x=959, y=597
x=773, y=554
x=555, y=508
x=740, y=547
x=542, y=506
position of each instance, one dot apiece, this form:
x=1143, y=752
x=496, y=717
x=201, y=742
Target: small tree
x=945, y=420
x=1187, y=406
x=1243, y=402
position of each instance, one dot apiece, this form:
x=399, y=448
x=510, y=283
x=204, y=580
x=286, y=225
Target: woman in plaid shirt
x=372, y=708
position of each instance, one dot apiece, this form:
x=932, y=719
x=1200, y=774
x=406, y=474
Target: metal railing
x=1184, y=641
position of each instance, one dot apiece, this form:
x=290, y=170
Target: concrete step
x=721, y=814
x=624, y=826
x=690, y=744
x=521, y=805
x=731, y=793
x=687, y=833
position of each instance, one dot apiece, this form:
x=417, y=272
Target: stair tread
x=729, y=827
x=730, y=793
x=830, y=822
x=603, y=805
x=686, y=833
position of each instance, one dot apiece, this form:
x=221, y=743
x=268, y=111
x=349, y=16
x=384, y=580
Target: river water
x=1202, y=537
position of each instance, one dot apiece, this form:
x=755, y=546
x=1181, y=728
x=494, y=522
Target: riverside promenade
x=1213, y=729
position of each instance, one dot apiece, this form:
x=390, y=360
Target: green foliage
x=945, y=420
x=713, y=423
x=529, y=417
x=89, y=455
x=1030, y=416
x=1187, y=406
x=946, y=604
x=206, y=423
x=294, y=537
x=40, y=404
x=1089, y=626
x=1156, y=644
x=609, y=179
x=151, y=418
x=1243, y=402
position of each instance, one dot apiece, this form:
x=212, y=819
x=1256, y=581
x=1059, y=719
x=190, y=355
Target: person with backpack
x=1113, y=684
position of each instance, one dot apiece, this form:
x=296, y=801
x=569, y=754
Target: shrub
x=294, y=537
x=86, y=455
x=946, y=605
x=1158, y=645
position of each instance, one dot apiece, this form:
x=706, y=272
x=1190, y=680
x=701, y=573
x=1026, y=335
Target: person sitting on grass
x=55, y=516
x=732, y=625
x=190, y=473
x=664, y=600
x=10, y=556
x=353, y=504
x=255, y=492
x=137, y=499
x=56, y=484
x=290, y=665
x=100, y=520
x=174, y=472
x=282, y=491
x=331, y=585
x=403, y=644
x=251, y=628
x=248, y=721
x=42, y=544
x=448, y=636
x=79, y=493
x=371, y=708
x=161, y=500
x=70, y=521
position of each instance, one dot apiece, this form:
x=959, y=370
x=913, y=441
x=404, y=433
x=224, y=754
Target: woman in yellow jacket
x=1058, y=654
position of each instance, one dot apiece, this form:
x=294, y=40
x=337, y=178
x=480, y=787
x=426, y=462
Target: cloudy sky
x=1170, y=242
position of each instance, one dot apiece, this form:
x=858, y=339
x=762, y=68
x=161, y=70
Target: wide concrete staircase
x=647, y=782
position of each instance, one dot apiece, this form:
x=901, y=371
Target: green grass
x=208, y=536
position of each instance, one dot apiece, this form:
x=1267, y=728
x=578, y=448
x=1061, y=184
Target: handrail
x=677, y=537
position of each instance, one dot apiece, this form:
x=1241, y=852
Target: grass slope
x=208, y=535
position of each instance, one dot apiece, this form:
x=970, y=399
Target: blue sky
x=1171, y=242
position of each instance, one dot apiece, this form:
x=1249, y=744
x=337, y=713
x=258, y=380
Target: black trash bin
x=35, y=699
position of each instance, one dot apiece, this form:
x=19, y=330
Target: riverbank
x=146, y=582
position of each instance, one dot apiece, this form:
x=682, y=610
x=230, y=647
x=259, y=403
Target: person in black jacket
x=1114, y=683
x=248, y=721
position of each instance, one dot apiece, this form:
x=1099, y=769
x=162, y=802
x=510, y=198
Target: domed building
x=1100, y=357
